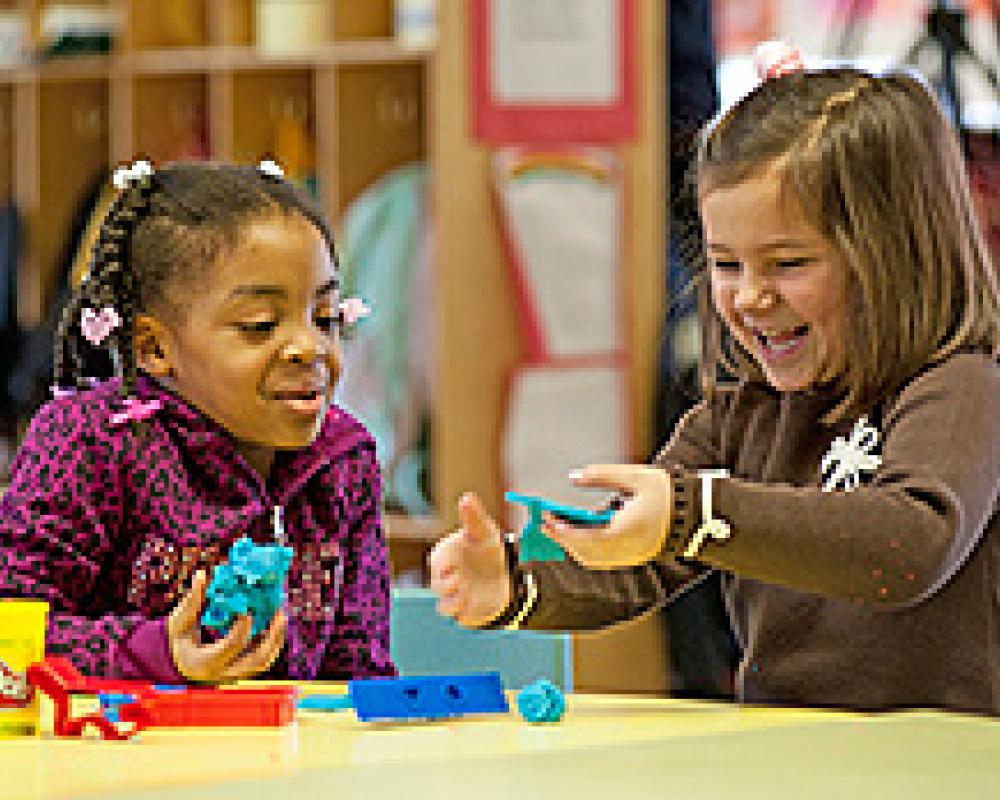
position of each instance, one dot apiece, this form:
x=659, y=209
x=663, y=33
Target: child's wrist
x=518, y=589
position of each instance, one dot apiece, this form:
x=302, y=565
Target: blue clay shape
x=541, y=701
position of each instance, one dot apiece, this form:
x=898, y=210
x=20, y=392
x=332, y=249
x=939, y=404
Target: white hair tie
x=272, y=169
x=139, y=171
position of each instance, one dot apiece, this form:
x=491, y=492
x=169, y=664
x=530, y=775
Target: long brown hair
x=878, y=170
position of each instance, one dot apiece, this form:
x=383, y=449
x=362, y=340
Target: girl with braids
x=845, y=482
x=213, y=290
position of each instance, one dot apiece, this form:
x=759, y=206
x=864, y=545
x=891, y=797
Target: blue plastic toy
x=535, y=545
x=541, y=701
x=251, y=582
x=428, y=697
x=325, y=702
x=111, y=702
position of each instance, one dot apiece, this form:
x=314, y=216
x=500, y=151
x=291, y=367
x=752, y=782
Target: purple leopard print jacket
x=108, y=522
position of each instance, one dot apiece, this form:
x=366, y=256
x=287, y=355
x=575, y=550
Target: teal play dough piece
x=251, y=582
x=533, y=544
x=541, y=701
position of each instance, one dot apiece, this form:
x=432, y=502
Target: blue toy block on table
x=427, y=697
x=535, y=545
x=251, y=582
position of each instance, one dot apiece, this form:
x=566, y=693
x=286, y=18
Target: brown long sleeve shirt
x=884, y=596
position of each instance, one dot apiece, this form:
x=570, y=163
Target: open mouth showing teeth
x=304, y=395
x=306, y=402
x=779, y=344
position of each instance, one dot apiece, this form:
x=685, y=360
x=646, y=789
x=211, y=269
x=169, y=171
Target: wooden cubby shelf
x=187, y=79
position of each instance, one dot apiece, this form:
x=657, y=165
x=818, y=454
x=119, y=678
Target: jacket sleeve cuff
x=518, y=591
x=145, y=654
x=685, y=516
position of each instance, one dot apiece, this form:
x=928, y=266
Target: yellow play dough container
x=22, y=642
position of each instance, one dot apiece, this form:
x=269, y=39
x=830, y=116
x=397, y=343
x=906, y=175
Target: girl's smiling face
x=256, y=346
x=779, y=286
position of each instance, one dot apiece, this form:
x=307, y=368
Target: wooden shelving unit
x=181, y=64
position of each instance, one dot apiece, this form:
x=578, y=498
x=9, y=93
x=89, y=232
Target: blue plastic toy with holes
x=427, y=697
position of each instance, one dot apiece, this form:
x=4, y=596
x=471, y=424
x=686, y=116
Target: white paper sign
x=555, y=51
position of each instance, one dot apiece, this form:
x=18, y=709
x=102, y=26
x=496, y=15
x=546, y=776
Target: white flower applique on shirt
x=846, y=459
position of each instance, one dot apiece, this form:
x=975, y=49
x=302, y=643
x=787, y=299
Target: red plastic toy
x=155, y=707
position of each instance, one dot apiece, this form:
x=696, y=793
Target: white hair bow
x=272, y=169
x=128, y=176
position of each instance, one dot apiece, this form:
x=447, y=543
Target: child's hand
x=636, y=533
x=228, y=659
x=469, y=568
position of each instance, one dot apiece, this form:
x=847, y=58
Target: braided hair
x=163, y=228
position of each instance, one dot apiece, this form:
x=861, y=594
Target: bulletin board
x=545, y=71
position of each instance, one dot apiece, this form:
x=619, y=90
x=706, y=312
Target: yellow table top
x=608, y=747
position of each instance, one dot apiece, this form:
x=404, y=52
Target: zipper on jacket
x=279, y=525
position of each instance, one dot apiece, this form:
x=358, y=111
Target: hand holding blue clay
x=251, y=582
x=534, y=545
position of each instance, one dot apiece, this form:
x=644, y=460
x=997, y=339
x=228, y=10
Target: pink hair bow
x=352, y=309
x=136, y=410
x=774, y=59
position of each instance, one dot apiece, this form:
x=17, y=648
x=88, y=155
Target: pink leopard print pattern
x=109, y=522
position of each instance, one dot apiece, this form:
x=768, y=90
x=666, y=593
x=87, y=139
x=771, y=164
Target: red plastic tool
x=154, y=707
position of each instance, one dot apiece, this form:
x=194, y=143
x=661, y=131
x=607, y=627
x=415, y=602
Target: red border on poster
x=529, y=123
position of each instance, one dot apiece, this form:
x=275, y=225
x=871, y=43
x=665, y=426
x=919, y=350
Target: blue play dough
x=534, y=545
x=325, y=702
x=541, y=701
x=251, y=582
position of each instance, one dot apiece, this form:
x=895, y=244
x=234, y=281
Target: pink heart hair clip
x=776, y=58
x=135, y=410
x=96, y=325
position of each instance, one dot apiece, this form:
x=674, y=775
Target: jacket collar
x=207, y=441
